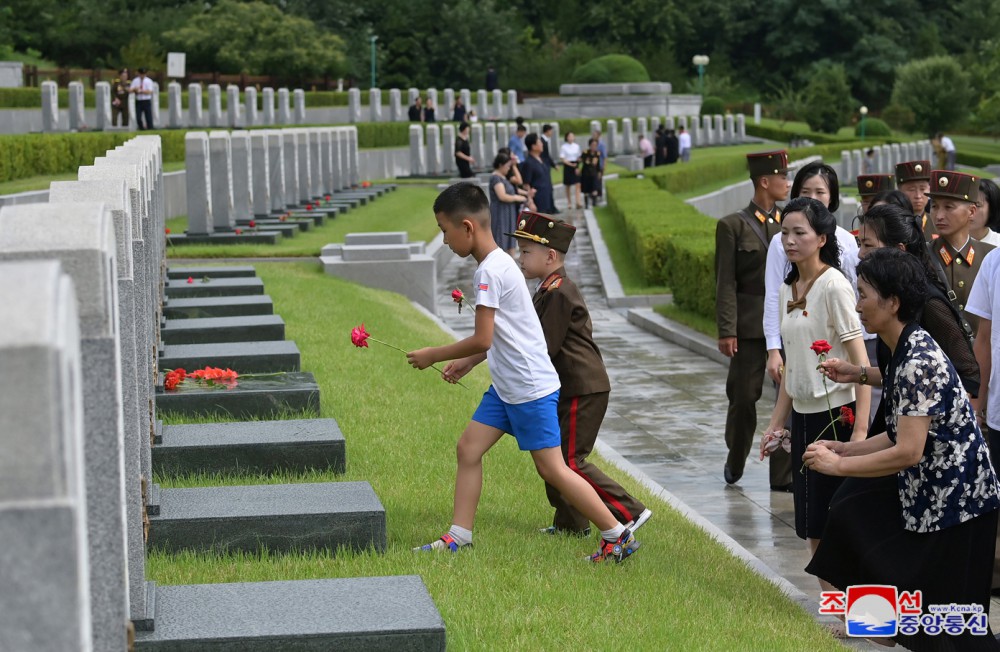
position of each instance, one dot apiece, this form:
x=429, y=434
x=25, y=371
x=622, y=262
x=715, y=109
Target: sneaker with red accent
x=617, y=551
x=446, y=543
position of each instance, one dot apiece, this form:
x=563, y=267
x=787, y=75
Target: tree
x=788, y=102
x=257, y=38
x=828, y=103
x=936, y=89
x=987, y=118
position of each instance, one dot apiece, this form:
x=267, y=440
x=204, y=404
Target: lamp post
x=864, y=112
x=700, y=60
x=373, y=39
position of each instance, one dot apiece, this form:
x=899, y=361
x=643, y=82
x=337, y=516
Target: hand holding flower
x=457, y=369
x=421, y=358
x=822, y=459
x=839, y=371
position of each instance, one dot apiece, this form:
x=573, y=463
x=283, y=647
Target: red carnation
x=457, y=295
x=821, y=347
x=309, y=207
x=847, y=416
x=359, y=336
x=167, y=231
x=239, y=231
x=190, y=279
x=252, y=224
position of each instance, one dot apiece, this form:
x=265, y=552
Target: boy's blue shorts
x=535, y=424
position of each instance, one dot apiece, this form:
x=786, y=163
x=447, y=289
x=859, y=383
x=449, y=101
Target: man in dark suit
x=546, y=143
x=491, y=79
x=673, y=147
x=741, y=241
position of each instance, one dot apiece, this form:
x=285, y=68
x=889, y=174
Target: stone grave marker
x=411, y=96
x=433, y=149
x=498, y=108
x=857, y=157
x=449, y=105
x=707, y=130
x=50, y=106
x=305, y=167
x=741, y=128
x=846, y=172
x=198, y=180
x=250, y=117
x=155, y=106
x=482, y=104
x=132, y=119
x=81, y=235
x=174, y=107
x=299, y=95
x=611, y=138
x=354, y=105
x=490, y=144
x=284, y=109
x=260, y=158
x=195, y=118
x=730, y=129
x=476, y=144
x=448, y=148
x=512, y=104
x=267, y=106
x=416, y=150
x=642, y=127
x=432, y=96
x=220, y=150
x=276, y=168
x=243, y=185
x=352, y=155
x=102, y=97
x=291, y=156
x=466, y=96
x=233, y=105
x=43, y=502
x=375, y=104
x=628, y=138
x=318, y=173
x=76, y=115
x=396, y=113
x=503, y=134
x=215, y=106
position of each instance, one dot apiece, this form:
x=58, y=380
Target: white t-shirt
x=143, y=87
x=519, y=357
x=777, y=268
x=569, y=152
x=984, y=301
x=947, y=144
x=684, y=140
x=992, y=237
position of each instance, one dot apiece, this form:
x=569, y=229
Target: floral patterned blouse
x=954, y=481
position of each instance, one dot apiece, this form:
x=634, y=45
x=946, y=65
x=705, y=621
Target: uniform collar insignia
x=945, y=255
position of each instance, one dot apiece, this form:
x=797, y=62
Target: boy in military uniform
x=741, y=241
x=119, y=99
x=583, y=397
x=956, y=252
x=870, y=185
x=913, y=179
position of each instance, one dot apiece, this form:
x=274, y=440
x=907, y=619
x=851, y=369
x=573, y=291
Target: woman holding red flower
x=817, y=313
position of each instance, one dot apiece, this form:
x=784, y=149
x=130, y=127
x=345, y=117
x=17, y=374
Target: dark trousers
x=580, y=419
x=119, y=112
x=144, y=114
x=744, y=386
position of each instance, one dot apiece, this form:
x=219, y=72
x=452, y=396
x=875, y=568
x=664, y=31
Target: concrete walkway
x=667, y=417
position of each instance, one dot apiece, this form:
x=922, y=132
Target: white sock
x=613, y=534
x=461, y=536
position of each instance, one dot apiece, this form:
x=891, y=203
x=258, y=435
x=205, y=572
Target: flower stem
x=434, y=367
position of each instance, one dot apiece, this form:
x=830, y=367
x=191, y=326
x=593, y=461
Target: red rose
x=821, y=347
x=252, y=224
x=847, y=416
x=167, y=231
x=190, y=279
x=359, y=336
x=457, y=296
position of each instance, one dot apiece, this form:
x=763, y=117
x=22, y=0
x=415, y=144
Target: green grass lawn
x=516, y=589
x=42, y=182
x=406, y=209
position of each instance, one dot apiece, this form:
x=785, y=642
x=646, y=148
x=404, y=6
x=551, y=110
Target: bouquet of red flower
x=846, y=416
x=208, y=377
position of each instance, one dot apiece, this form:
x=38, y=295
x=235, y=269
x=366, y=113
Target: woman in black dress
x=463, y=152
x=918, y=510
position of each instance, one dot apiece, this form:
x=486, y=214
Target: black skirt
x=811, y=490
x=865, y=543
x=570, y=177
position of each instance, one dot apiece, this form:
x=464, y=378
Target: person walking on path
x=684, y=144
x=537, y=177
x=950, y=153
x=590, y=164
x=463, y=152
x=741, y=241
x=525, y=392
x=569, y=154
x=142, y=86
x=505, y=202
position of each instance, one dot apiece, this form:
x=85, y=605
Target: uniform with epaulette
x=585, y=386
x=741, y=241
x=119, y=92
x=913, y=178
x=960, y=266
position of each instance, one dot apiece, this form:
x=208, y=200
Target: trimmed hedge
x=874, y=128
x=786, y=135
x=976, y=159
x=31, y=98
x=609, y=69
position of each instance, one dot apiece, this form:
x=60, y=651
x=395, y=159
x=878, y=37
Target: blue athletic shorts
x=535, y=424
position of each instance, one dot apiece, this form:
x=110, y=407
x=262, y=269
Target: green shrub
x=828, y=103
x=786, y=135
x=874, y=128
x=976, y=159
x=937, y=90
x=899, y=117
x=712, y=106
x=611, y=68
x=690, y=270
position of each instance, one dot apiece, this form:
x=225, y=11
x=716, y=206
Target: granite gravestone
x=416, y=150
x=260, y=158
x=354, y=105
x=447, y=109
x=220, y=150
x=316, y=163
x=432, y=100
x=81, y=235
x=730, y=129
x=489, y=144
x=498, y=108
x=284, y=109
x=305, y=166
x=741, y=128
x=396, y=113
x=267, y=106
x=76, y=116
x=102, y=98
x=44, y=568
x=448, y=148
x=512, y=104
x=352, y=156
x=611, y=138
x=276, y=168
x=466, y=96
x=250, y=117
x=50, y=106
x=198, y=180
x=375, y=105
x=215, y=106
x=233, y=106
x=299, y=96
x=290, y=147
x=243, y=186
x=174, y=108
x=476, y=144
x=628, y=142
x=718, y=129
x=155, y=106
x=195, y=118
x=433, y=150
x=411, y=96
x=483, y=104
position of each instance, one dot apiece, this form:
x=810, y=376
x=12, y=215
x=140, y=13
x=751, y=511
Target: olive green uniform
x=960, y=269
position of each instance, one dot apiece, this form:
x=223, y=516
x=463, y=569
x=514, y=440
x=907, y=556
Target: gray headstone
x=416, y=150
x=466, y=95
x=198, y=179
x=43, y=503
x=317, y=173
x=858, y=163
x=718, y=128
x=267, y=106
x=261, y=171
x=512, y=104
x=284, y=109
x=299, y=95
x=375, y=104
x=556, y=138
x=81, y=235
x=411, y=96
x=483, y=104
x=76, y=116
x=756, y=113
x=707, y=128
x=611, y=138
x=741, y=128
x=730, y=129
x=102, y=97
x=220, y=149
x=132, y=119
x=447, y=148
x=433, y=149
x=682, y=121
x=489, y=144
x=448, y=108
x=642, y=127
x=155, y=106
x=654, y=123
x=115, y=195
x=888, y=165
x=670, y=123
x=476, y=144
x=503, y=134
x=250, y=118
x=243, y=186
x=195, y=117
x=174, y=106
x=276, y=168
x=333, y=135
x=305, y=165
x=352, y=155
x=354, y=105
x=326, y=160
x=896, y=155
x=432, y=98
x=498, y=108
x=233, y=105
x=846, y=171
x=396, y=113
x=291, y=156
x=696, y=133
x=628, y=138
x=215, y=106
x=50, y=106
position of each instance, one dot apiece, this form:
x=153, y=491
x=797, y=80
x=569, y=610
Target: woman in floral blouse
x=919, y=511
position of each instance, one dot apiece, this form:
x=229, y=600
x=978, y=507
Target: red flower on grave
x=253, y=224
x=846, y=416
x=326, y=197
x=366, y=184
x=173, y=379
x=359, y=336
x=821, y=347
x=167, y=231
x=239, y=231
x=283, y=218
x=190, y=279
x=309, y=207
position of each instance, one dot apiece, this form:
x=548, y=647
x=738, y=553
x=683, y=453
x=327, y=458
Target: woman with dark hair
x=918, y=510
x=504, y=203
x=818, y=181
x=569, y=154
x=463, y=152
x=896, y=197
x=985, y=224
x=818, y=313
x=590, y=168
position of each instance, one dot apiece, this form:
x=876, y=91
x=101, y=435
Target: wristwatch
x=863, y=378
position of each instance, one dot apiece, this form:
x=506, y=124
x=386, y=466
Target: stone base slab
x=254, y=328
x=243, y=357
x=204, y=307
x=261, y=398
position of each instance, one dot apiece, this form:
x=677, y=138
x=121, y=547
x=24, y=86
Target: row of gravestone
x=93, y=312
x=431, y=148
x=398, y=112
x=235, y=115
x=883, y=158
x=260, y=185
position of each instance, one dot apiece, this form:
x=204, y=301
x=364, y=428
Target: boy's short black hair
x=521, y=128
x=546, y=128
x=461, y=201
x=530, y=140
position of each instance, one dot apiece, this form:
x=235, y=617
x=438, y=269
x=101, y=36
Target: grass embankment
x=42, y=182
x=516, y=589
x=407, y=209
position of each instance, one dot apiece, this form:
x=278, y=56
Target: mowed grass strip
x=406, y=209
x=516, y=589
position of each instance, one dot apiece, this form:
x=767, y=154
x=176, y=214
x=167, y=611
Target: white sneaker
x=639, y=522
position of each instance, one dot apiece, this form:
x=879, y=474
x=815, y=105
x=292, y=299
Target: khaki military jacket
x=960, y=269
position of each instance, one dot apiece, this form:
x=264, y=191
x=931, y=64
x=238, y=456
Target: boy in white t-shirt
x=525, y=391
